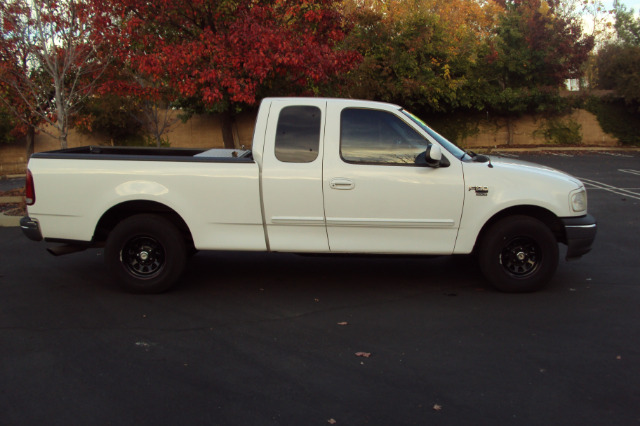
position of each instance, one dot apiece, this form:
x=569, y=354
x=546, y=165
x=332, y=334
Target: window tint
x=378, y=137
x=298, y=134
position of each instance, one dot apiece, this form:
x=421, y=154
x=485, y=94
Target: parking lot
x=280, y=339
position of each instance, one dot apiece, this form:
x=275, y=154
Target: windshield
x=449, y=146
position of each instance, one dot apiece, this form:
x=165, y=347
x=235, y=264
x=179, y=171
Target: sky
x=631, y=4
x=587, y=23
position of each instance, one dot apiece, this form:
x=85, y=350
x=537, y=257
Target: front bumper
x=31, y=228
x=580, y=233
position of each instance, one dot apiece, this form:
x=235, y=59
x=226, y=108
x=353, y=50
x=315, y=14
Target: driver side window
x=378, y=137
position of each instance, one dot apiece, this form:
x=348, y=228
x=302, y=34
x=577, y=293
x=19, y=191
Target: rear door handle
x=342, y=183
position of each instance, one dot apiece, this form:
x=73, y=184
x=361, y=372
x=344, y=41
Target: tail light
x=30, y=190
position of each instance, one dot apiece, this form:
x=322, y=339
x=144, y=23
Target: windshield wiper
x=477, y=158
x=471, y=154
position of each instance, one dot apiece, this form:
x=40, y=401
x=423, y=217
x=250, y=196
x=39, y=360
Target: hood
x=533, y=168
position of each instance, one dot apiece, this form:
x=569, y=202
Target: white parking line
x=613, y=189
x=615, y=154
x=504, y=154
x=633, y=172
x=559, y=154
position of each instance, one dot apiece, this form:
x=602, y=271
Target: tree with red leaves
x=219, y=56
x=17, y=121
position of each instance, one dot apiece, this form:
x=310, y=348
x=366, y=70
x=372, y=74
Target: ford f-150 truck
x=322, y=176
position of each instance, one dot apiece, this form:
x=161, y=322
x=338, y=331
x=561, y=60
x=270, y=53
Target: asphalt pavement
x=274, y=339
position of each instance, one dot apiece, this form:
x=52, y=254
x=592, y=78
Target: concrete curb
x=488, y=149
x=11, y=200
x=9, y=221
x=10, y=177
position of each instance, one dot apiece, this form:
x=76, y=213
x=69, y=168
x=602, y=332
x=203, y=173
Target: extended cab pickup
x=322, y=176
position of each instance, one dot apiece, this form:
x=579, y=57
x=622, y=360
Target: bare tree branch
x=61, y=65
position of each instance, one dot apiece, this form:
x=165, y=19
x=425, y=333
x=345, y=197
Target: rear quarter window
x=298, y=134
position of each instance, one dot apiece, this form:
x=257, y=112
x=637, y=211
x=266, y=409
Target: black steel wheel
x=521, y=257
x=143, y=256
x=518, y=254
x=146, y=254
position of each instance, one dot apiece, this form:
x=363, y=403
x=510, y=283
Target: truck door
x=377, y=199
x=292, y=177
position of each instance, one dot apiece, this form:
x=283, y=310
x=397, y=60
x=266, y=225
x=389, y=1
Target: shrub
x=562, y=131
x=618, y=118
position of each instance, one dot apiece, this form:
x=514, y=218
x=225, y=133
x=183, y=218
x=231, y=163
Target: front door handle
x=342, y=183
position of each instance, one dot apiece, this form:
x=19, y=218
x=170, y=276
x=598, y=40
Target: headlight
x=578, y=200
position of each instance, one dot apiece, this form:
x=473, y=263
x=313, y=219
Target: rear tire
x=518, y=254
x=145, y=253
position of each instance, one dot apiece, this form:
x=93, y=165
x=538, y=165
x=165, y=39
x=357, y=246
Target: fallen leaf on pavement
x=332, y=421
x=343, y=323
x=363, y=354
x=437, y=407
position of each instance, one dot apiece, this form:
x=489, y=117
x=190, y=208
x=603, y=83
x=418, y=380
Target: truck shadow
x=235, y=274
x=230, y=272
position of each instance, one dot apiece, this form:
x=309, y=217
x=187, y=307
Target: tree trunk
x=62, y=130
x=228, y=121
x=61, y=111
x=509, y=130
x=31, y=136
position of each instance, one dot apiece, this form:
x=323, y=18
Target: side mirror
x=433, y=155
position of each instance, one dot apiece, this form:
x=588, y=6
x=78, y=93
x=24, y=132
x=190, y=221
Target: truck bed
x=150, y=154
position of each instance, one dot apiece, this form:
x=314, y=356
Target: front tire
x=145, y=253
x=518, y=254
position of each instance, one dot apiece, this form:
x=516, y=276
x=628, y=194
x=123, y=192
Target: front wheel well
x=116, y=214
x=543, y=215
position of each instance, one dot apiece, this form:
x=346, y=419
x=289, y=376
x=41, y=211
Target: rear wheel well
x=122, y=211
x=543, y=215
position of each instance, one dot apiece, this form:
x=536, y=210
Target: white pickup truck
x=322, y=176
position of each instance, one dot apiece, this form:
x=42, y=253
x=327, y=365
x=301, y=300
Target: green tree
x=619, y=61
x=424, y=54
x=8, y=126
x=112, y=116
x=627, y=25
x=534, y=51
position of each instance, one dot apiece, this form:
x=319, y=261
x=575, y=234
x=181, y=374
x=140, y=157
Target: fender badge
x=481, y=191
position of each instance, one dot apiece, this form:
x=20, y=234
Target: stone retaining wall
x=527, y=132
x=205, y=131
